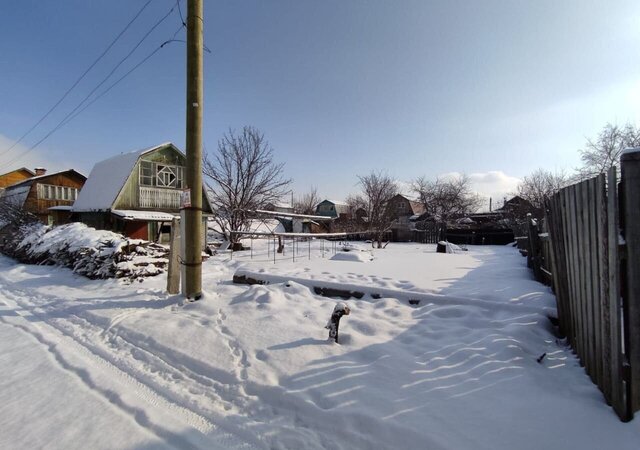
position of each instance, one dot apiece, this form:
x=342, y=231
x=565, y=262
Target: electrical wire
x=180, y=11
x=79, y=108
x=105, y=79
x=70, y=117
x=78, y=80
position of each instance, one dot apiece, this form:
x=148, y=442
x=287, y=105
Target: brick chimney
x=40, y=171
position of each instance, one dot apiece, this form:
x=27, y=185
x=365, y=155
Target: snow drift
x=87, y=251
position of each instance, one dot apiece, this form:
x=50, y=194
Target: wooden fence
x=588, y=250
x=431, y=233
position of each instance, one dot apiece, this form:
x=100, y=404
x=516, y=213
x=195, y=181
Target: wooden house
x=333, y=208
x=402, y=210
x=38, y=194
x=137, y=193
x=518, y=207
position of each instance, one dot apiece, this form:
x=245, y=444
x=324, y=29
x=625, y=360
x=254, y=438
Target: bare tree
x=377, y=190
x=538, y=186
x=447, y=198
x=243, y=177
x=308, y=202
x=356, y=202
x=600, y=155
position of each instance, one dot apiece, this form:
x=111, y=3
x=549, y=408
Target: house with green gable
x=137, y=193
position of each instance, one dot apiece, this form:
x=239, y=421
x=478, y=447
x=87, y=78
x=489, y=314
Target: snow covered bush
x=87, y=251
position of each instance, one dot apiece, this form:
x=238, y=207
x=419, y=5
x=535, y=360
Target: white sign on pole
x=185, y=198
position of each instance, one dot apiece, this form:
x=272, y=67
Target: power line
x=104, y=80
x=76, y=112
x=184, y=24
x=79, y=79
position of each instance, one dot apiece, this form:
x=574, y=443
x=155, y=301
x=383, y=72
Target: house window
x=146, y=173
x=161, y=175
x=50, y=192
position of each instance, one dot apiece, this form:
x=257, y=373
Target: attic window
x=161, y=175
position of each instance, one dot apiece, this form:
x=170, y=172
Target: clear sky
x=494, y=89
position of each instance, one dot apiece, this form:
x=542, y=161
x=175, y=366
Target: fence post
x=173, y=271
x=630, y=162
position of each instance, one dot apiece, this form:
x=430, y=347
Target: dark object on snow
x=342, y=293
x=413, y=301
x=341, y=309
x=541, y=357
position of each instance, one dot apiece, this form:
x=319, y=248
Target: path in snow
x=137, y=382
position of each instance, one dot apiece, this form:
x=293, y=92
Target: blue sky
x=495, y=89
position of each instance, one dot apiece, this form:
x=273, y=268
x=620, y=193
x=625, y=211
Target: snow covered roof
x=61, y=208
x=107, y=178
x=16, y=195
x=29, y=181
x=291, y=215
x=335, y=202
x=149, y=216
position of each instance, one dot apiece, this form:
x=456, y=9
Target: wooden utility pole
x=193, y=216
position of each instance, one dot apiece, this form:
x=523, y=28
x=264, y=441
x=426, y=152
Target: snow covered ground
x=106, y=364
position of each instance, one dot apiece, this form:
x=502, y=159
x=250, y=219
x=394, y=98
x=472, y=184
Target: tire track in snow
x=54, y=341
x=74, y=339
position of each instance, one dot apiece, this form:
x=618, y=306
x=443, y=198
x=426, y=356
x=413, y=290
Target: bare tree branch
x=242, y=176
x=601, y=154
x=538, y=186
x=377, y=190
x=445, y=199
x=307, y=203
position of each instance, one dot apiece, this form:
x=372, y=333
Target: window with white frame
x=161, y=175
x=51, y=192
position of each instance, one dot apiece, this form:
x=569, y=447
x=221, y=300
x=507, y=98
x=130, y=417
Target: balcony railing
x=159, y=198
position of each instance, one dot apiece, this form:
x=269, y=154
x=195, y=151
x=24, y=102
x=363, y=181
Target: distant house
x=48, y=196
x=279, y=207
x=402, y=210
x=518, y=207
x=137, y=193
x=333, y=208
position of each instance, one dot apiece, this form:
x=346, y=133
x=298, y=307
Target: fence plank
x=566, y=211
x=562, y=264
x=585, y=262
x=603, y=277
x=618, y=395
x=577, y=278
x=594, y=277
x=630, y=178
x=571, y=239
x=558, y=267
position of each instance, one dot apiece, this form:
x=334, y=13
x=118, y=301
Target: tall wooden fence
x=588, y=249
